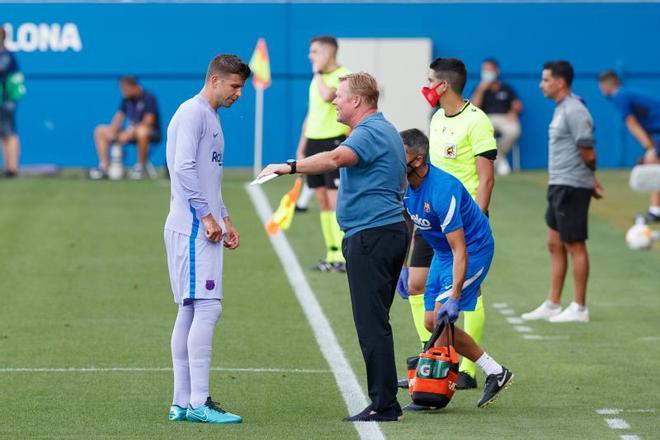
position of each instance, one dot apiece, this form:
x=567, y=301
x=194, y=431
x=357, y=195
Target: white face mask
x=488, y=76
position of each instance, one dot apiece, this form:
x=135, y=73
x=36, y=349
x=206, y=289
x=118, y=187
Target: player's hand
x=598, y=190
x=449, y=310
x=275, y=168
x=483, y=86
x=402, y=284
x=213, y=230
x=232, y=238
x=126, y=136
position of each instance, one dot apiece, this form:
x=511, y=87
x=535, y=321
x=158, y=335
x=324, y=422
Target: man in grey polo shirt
x=572, y=183
x=372, y=167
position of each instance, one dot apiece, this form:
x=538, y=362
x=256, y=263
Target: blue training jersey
x=645, y=109
x=441, y=205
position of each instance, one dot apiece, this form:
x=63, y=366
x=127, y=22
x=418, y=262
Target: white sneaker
x=502, y=167
x=137, y=173
x=572, y=313
x=544, y=311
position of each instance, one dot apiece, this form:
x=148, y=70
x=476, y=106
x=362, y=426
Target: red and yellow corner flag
x=260, y=65
x=283, y=215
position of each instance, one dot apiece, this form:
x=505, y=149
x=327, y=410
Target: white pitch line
x=617, y=424
x=515, y=321
x=523, y=328
x=507, y=312
x=630, y=437
x=156, y=369
x=327, y=341
x=500, y=305
x=615, y=411
x=651, y=338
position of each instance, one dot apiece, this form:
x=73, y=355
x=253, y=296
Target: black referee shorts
x=422, y=253
x=327, y=180
x=567, y=213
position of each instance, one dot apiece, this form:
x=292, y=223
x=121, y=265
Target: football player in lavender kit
x=197, y=228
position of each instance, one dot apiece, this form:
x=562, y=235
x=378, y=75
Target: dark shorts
x=568, y=210
x=327, y=180
x=422, y=253
x=155, y=136
x=7, y=119
x=655, y=137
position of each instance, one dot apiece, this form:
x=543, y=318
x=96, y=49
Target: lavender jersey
x=195, y=149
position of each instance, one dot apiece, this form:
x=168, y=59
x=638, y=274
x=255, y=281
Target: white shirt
x=195, y=151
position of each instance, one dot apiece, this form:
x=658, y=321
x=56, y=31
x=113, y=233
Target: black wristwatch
x=292, y=164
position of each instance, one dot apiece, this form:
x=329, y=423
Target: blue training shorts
x=440, y=279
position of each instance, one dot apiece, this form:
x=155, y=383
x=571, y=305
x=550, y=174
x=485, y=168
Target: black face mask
x=409, y=169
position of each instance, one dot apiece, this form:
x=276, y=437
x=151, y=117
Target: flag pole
x=258, y=130
x=260, y=65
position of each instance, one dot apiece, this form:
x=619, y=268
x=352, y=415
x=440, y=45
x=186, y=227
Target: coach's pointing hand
x=213, y=229
x=277, y=168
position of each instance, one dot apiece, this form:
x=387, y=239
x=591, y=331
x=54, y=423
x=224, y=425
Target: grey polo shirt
x=571, y=128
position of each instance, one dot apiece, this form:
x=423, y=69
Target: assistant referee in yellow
x=321, y=132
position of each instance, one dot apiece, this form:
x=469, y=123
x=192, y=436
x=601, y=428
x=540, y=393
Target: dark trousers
x=374, y=258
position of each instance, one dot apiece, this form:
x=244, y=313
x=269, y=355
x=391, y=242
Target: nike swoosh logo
x=215, y=135
x=501, y=382
x=205, y=419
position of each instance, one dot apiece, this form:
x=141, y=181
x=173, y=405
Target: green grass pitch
x=83, y=283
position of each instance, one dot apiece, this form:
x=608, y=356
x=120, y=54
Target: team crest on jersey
x=427, y=207
x=210, y=284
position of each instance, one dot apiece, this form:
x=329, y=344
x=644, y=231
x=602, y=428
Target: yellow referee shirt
x=322, y=116
x=456, y=140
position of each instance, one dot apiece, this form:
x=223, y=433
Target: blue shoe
x=211, y=412
x=177, y=414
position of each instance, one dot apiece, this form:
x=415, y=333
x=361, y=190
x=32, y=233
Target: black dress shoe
x=393, y=414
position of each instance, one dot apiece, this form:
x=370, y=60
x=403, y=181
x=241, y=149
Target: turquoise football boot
x=177, y=414
x=211, y=412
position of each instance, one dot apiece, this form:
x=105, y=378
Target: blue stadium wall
x=72, y=88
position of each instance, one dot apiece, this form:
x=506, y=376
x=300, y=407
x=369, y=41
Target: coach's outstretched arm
x=320, y=163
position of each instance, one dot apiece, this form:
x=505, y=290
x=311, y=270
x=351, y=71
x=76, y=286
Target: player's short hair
x=561, y=69
x=609, y=76
x=492, y=61
x=451, y=70
x=228, y=64
x=328, y=40
x=364, y=85
x=129, y=80
x=416, y=141
x=3, y=34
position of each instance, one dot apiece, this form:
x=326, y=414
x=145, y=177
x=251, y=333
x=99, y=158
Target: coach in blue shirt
x=370, y=211
x=642, y=116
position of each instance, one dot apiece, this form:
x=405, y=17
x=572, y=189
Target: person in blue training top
x=642, y=116
x=8, y=135
x=462, y=241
